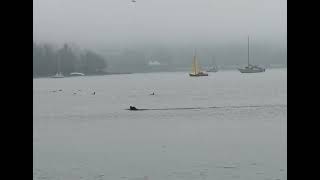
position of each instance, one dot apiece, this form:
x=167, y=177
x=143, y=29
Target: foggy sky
x=179, y=22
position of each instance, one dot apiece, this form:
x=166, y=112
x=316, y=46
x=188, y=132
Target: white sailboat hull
x=251, y=70
x=57, y=77
x=76, y=74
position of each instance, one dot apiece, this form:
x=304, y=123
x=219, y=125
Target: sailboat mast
x=213, y=62
x=195, y=61
x=59, y=64
x=248, y=51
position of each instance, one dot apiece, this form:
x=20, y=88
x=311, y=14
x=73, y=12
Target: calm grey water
x=78, y=135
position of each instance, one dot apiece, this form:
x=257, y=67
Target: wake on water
x=132, y=108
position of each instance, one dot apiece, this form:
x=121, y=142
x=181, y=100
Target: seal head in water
x=132, y=108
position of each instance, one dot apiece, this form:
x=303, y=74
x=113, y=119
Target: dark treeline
x=47, y=61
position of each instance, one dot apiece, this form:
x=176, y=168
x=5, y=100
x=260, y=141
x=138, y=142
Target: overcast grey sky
x=121, y=22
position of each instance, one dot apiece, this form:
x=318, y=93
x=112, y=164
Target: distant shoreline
x=119, y=73
x=99, y=74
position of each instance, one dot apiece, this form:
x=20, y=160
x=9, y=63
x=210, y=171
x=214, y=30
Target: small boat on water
x=76, y=74
x=58, y=75
x=214, y=67
x=196, y=72
x=251, y=68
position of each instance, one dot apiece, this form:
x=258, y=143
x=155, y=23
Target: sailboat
x=195, y=68
x=59, y=73
x=214, y=67
x=251, y=68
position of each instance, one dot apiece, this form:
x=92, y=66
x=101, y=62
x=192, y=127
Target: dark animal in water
x=93, y=93
x=152, y=93
x=132, y=108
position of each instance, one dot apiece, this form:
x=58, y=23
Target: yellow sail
x=197, y=65
x=194, y=65
x=196, y=71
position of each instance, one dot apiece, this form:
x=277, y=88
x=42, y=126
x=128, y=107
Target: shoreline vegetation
x=48, y=61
